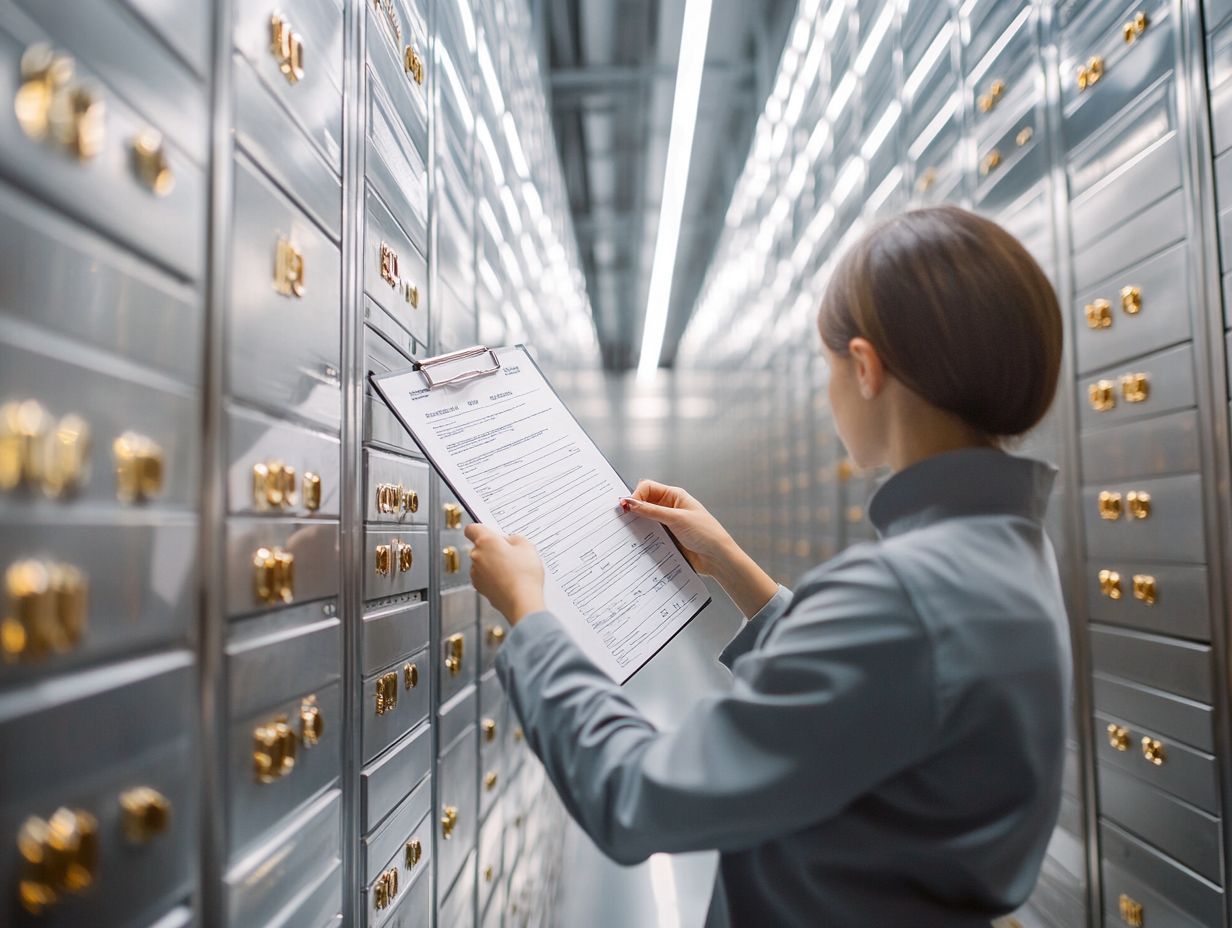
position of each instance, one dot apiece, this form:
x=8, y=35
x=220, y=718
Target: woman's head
x=939, y=311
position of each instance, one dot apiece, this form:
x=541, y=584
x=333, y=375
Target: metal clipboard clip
x=477, y=351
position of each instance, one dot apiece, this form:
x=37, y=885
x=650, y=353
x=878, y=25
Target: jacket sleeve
x=839, y=698
x=744, y=639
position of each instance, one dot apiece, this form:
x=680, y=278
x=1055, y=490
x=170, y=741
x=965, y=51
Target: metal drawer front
x=387, y=346
x=1223, y=182
x=395, y=273
x=108, y=588
x=1171, y=532
x=283, y=330
x=1183, y=832
x=1169, y=599
x=458, y=611
x=320, y=906
x=399, y=71
x=380, y=425
x=1157, y=384
x=458, y=652
x=395, y=562
x=1144, y=309
x=183, y=24
x=455, y=246
x=396, y=489
x=936, y=91
x=415, y=910
x=391, y=634
x=1101, y=74
x=119, y=303
x=1219, y=69
x=490, y=846
x=1148, y=448
x=280, y=469
x=457, y=718
x=456, y=813
x=301, y=854
x=1010, y=75
x=384, y=782
x=493, y=630
x=1154, y=758
x=262, y=794
x=274, y=562
x=1012, y=165
x=923, y=21
x=131, y=724
x=394, y=168
x=1185, y=719
x=388, y=842
x=455, y=320
x=269, y=135
x=493, y=718
x=1179, y=667
x=986, y=21
x=938, y=165
x=94, y=180
x=179, y=917
x=1155, y=229
x=455, y=560
x=458, y=909
x=395, y=701
x=124, y=421
x=1170, y=896
x=307, y=84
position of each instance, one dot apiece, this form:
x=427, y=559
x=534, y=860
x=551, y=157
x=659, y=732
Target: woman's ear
x=870, y=372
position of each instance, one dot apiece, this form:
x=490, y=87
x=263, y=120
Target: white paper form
x=518, y=460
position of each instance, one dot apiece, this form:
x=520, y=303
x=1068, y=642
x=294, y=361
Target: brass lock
x=453, y=654
x=1130, y=911
x=495, y=635
x=389, y=265
x=66, y=457
x=59, y=857
x=150, y=162
x=926, y=181
x=311, y=722
x=518, y=734
x=78, y=120
x=410, y=676
x=1136, y=388
x=287, y=47
x=385, y=890
x=145, y=813
x=406, y=556
x=24, y=427
x=391, y=18
x=273, y=750
x=1099, y=314
x=312, y=491
x=384, y=559
x=988, y=102
x=1102, y=395
x=274, y=572
x=1139, y=504
x=288, y=269
x=1145, y=589
x=1091, y=74
x=1133, y=29
x=273, y=485
x=453, y=515
x=413, y=63
x=489, y=781
x=1110, y=584
x=1131, y=300
x=1109, y=506
x=488, y=874
x=991, y=162
x=489, y=730
x=44, y=75
x=410, y=501
x=140, y=468
x=1118, y=737
x=452, y=559
x=1024, y=136
x=449, y=821
x=413, y=853
x=45, y=610
x=410, y=293
x=388, y=497
x=1153, y=751
x=387, y=692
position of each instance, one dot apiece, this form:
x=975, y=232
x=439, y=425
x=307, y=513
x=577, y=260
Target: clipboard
x=460, y=371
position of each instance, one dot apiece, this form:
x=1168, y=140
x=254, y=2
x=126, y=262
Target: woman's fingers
x=665, y=515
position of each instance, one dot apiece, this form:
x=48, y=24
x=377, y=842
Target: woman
x=891, y=751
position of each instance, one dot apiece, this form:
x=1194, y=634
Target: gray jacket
x=891, y=751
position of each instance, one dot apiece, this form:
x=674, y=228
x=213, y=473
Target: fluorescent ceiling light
x=515, y=146
x=490, y=80
x=694, y=34
x=489, y=148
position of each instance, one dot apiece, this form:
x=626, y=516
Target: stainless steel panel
x=1010, y=75
x=274, y=657
x=397, y=484
x=1172, y=532
x=1160, y=226
x=84, y=741
x=313, y=544
x=1173, y=897
x=922, y=22
x=183, y=24
x=380, y=425
x=1012, y=164
x=938, y=161
x=455, y=242
x=394, y=165
x=387, y=569
x=1185, y=719
x=1179, y=667
x=386, y=720
x=456, y=792
x=1219, y=65
x=1223, y=182
x=490, y=871
x=1147, y=448
x=493, y=630
x=1181, y=831
x=1217, y=11
x=458, y=612
x=387, y=844
x=455, y=559
x=458, y=909
x=63, y=277
x=391, y=634
x=387, y=345
x=393, y=68
x=455, y=320
x=283, y=351
x=458, y=652
x=255, y=440
x=1169, y=387
x=395, y=273
x=314, y=99
x=319, y=906
x=402, y=871
x=985, y=23
x=384, y=782
x=1172, y=767
x=1157, y=292
x=179, y=917
x=456, y=719
x=298, y=858
x=936, y=90
x=415, y=908
x=102, y=188
x=1176, y=602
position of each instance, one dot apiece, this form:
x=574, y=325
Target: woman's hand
x=708, y=547
x=508, y=571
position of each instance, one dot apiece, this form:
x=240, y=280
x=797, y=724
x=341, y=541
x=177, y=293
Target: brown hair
x=958, y=311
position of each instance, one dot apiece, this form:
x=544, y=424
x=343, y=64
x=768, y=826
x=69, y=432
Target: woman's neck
x=922, y=431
